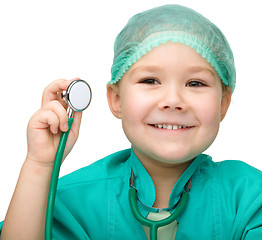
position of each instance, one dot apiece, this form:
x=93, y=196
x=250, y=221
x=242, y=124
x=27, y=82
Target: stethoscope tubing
x=54, y=180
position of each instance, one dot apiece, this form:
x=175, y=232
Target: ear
x=225, y=101
x=113, y=99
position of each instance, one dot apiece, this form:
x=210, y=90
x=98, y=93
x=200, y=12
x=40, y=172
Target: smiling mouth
x=170, y=126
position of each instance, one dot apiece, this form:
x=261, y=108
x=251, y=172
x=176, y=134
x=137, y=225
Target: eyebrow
x=196, y=69
x=148, y=68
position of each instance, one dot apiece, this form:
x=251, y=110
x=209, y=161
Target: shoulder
x=230, y=170
x=112, y=166
x=235, y=170
x=241, y=179
x=237, y=183
x=89, y=191
x=232, y=178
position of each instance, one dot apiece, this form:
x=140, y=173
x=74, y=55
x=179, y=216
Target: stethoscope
x=154, y=225
x=78, y=96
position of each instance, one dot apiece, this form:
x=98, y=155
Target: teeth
x=169, y=126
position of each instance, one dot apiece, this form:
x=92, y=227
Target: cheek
x=209, y=113
x=131, y=115
x=135, y=109
x=135, y=106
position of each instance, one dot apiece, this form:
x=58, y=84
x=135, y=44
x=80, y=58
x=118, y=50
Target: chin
x=175, y=156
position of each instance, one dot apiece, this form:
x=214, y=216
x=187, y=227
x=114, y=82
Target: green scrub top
x=225, y=201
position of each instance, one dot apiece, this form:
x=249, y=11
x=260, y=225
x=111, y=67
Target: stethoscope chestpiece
x=78, y=96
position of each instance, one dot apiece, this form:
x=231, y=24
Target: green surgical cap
x=173, y=23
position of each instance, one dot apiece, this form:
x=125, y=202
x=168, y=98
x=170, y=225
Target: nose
x=172, y=99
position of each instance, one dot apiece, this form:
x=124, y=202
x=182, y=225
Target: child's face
x=170, y=86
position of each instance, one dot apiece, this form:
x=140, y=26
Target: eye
x=195, y=84
x=150, y=81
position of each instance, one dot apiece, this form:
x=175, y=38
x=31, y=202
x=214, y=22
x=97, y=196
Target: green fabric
x=177, y=24
x=225, y=201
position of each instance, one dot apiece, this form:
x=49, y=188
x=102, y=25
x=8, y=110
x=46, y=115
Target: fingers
x=53, y=91
x=54, y=116
x=49, y=119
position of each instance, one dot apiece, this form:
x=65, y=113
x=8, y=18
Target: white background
x=41, y=41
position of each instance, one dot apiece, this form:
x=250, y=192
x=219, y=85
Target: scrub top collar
x=144, y=184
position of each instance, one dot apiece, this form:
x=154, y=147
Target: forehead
x=173, y=56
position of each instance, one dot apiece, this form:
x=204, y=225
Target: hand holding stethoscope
x=47, y=124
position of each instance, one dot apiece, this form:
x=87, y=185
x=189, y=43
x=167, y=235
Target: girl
x=172, y=79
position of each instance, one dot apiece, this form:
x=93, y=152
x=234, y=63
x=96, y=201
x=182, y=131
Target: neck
x=164, y=177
